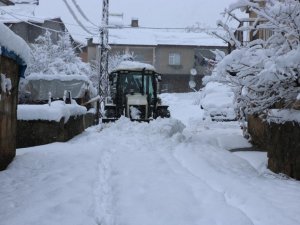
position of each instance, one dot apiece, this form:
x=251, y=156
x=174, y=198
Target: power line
x=35, y=25
x=188, y=29
x=82, y=13
x=76, y=18
x=51, y=20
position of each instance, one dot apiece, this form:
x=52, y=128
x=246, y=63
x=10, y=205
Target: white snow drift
x=163, y=173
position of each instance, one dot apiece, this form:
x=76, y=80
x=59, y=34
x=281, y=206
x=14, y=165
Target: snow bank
x=147, y=173
x=161, y=127
x=14, y=43
x=55, y=112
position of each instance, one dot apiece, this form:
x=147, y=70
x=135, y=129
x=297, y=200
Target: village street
x=174, y=171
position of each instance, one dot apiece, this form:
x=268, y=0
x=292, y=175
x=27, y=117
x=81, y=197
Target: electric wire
x=82, y=13
x=44, y=28
x=76, y=18
x=51, y=20
x=189, y=29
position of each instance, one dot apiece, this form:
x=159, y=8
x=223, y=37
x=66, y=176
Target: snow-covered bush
x=60, y=58
x=264, y=72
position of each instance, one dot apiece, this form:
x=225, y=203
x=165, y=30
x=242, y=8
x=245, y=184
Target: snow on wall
x=14, y=43
x=283, y=115
x=54, y=112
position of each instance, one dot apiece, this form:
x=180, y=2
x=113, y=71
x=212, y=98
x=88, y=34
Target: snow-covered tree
x=264, y=72
x=60, y=58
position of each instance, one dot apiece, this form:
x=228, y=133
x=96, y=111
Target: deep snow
x=169, y=172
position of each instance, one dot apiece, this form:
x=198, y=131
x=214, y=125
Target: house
x=20, y=18
x=247, y=29
x=14, y=55
x=173, y=53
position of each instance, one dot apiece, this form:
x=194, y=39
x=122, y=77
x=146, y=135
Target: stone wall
x=40, y=132
x=8, y=113
x=281, y=141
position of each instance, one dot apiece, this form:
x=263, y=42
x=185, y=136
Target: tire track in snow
x=236, y=183
x=194, y=182
x=103, y=193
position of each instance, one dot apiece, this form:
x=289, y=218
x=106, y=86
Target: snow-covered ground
x=174, y=171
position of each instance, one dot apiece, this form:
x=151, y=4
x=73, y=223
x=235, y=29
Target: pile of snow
x=283, y=115
x=14, y=43
x=183, y=106
x=53, y=112
x=161, y=127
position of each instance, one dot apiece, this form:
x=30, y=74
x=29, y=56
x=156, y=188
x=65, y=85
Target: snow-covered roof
x=21, y=13
x=18, y=13
x=14, y=43
x=154, y=37
x=133, y=65
x=166, y=15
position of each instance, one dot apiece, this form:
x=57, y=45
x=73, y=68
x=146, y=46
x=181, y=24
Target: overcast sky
x=151, y=13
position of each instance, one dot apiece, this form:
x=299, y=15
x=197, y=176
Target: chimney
x=134, y=22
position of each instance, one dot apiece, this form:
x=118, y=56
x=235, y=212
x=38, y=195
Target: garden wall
x=281, y=141
x=40, y=132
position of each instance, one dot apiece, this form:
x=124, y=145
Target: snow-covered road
x=169, y=172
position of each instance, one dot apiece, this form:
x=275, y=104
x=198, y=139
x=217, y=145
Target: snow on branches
x=265, y=71
x=56, y=58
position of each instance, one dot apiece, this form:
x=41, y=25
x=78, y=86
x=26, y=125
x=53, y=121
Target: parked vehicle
x=218, y=102
x=134, y=93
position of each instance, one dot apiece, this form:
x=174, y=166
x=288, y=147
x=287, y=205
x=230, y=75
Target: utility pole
x=103, y=84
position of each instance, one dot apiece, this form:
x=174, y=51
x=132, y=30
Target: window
x=174, y=59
